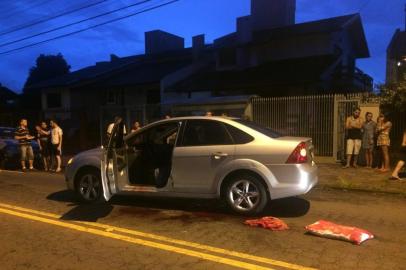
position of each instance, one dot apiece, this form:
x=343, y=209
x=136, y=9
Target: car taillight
x=299, y=155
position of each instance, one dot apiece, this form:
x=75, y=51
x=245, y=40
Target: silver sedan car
x=239, y=161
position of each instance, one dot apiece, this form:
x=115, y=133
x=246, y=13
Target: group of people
x=49, y=141
x=374, y=138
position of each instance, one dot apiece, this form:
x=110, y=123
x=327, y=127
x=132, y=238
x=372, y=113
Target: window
x=257, y=127
x=205, y=132
x=239, y=136
x=54, y=100
x=158, y=135
x=163, y=134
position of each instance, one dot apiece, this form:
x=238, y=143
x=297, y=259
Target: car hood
x=96, y=152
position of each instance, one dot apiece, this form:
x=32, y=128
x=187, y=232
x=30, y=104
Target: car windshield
x=6, y=133
x=257, y=127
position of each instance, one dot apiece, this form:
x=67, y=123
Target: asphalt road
x=43, y=227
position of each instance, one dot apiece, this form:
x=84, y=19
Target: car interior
x=149, y=155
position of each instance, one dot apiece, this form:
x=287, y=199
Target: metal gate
x=305, y=116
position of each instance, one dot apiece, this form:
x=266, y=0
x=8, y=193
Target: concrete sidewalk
x=332, y=175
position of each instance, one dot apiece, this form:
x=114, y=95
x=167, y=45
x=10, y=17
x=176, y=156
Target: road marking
x=109, y=228
x=138, y=241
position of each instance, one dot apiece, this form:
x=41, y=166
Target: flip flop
x=394, y=178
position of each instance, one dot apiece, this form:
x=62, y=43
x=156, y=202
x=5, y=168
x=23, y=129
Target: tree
x=393, y=96
x=47, y=67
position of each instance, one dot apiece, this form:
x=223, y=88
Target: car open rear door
x=114, y=167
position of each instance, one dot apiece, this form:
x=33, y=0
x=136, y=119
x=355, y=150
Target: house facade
x=396, y=57
x=268, y=55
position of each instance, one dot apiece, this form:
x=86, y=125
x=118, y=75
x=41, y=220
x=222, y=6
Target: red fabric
x=332, y=230
x=271, y=223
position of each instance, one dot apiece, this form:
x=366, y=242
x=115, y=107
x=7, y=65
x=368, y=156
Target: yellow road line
x=171, y=240
x=137, y=241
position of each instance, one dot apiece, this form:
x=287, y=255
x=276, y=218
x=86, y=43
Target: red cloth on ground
x=331, y=230
x=271, y=223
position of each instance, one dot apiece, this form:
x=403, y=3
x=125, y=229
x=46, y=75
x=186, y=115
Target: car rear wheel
x=245, y=194
x=89, y=187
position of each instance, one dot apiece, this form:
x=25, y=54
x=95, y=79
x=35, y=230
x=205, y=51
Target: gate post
x=335, y=128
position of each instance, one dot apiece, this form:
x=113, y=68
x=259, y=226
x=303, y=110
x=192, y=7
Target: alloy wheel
x=89, y=187
x=244, y=195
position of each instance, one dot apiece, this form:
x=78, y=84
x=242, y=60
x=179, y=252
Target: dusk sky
x=185, y=18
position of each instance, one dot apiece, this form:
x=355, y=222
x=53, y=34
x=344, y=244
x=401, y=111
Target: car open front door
x=114, y=165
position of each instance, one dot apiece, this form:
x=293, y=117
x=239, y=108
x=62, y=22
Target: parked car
x=241, y=162
x=9, y=150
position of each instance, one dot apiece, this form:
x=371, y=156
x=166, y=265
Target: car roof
x=221, y=118
x=183, y=118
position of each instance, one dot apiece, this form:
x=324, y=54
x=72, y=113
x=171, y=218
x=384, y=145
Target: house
x=268, y=55
x=272, y=56
x=8, y=99
x=396, y=57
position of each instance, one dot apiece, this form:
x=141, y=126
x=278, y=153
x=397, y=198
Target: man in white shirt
x=111, y=126
x=56, y=140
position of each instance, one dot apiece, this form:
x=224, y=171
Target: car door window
x=205, y=132
x=239, y=136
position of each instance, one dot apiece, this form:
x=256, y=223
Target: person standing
x=402, y=159
x=368, y=133
x=56, y=141
x=353, y=126
x=110, y=129
x=136, y=126
x=383, y=141
x=22, y=135
x=43, y=140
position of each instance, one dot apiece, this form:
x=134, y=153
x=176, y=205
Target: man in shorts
x=353, y=125
x=56, y=143
x=22, y=135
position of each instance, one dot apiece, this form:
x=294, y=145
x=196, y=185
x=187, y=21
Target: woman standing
x=383, y=129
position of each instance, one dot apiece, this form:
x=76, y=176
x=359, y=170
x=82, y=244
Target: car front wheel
x=245, y=194
x=89, y=187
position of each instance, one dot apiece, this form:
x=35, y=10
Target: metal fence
x=304, y=116
x=321, y=117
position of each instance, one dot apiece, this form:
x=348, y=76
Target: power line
x=74, y=23
x=50, y=18
x=91, y=27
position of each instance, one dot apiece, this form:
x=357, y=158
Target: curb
x=360, y=189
